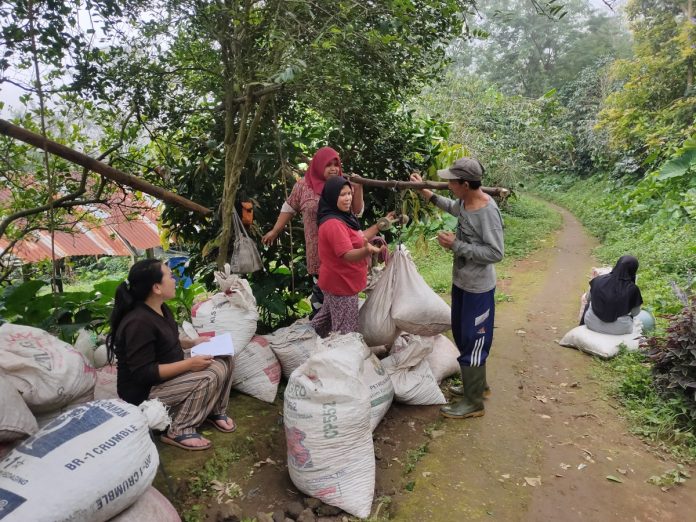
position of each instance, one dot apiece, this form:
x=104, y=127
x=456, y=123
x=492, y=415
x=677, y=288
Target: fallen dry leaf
x=533, y=481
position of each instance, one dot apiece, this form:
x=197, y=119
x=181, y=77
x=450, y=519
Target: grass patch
x=528, y=223
x=663, y=422
x=413, y=457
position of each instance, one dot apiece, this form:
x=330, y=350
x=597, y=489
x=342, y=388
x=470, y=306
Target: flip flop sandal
x=218, y=417
x=177, y=441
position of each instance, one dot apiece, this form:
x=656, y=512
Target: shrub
x=674, y=356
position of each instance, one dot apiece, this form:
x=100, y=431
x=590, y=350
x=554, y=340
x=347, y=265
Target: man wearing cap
x=477, y=246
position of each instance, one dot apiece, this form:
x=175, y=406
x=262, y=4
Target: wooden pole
x=13, y=131
x=498, y=192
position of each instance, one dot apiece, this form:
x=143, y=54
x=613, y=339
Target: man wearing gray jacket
x=477, y=246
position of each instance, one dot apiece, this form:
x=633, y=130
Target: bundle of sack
x=233, y=310
x=401, y=301
x=57, y=440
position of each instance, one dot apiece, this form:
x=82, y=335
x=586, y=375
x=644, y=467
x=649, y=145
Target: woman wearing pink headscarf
x=305, y=199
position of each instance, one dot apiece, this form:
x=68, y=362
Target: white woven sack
x=234, y=313
x=602, y=345
x=153, y=506
x=416, y=308
x=293, y=345
x=327, y=428
x=16, y=420
x=89, y=464
x=256, y=370
x=47, y=372
x=373, y=374
x=410, y=373
x=44, y=417
x=443, y=360
x=376, y=323
x=105, y=387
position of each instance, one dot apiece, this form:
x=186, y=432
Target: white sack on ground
x=293, y=345
x=89, y=464
x=47, y=372
x=373, y=374
x=443, y=360
x=87, y=343
x=256, y=370
x=327, y=428
x=153, y=506
x=415, y=307
x=16, y=420
x=603, y=345
x=376, y=323
x=410, y=373
x=231, y=311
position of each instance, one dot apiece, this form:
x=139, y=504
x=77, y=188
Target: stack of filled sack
x=56, y=441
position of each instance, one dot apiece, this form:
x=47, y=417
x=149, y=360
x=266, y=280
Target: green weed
x=413, y=456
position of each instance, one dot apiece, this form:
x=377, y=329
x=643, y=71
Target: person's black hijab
x=616, y=294
x=328, y=201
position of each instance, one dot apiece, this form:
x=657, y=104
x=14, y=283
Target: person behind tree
x=614, y=299
x=304, y=198
x=477, y=246
x=151, y=362
x=344, y=251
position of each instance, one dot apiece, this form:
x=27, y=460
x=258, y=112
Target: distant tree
x=528, y=54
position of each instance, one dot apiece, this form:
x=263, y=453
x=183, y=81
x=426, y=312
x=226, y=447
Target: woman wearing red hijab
x=305, y=199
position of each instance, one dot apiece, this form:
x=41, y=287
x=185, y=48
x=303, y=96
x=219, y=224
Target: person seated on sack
x=344, y=251
x=151, y=362
x=614, y=299
x=304, y=198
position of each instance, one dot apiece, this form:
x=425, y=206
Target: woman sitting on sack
x=344, y=251
x=151, y=363
x=614, y=299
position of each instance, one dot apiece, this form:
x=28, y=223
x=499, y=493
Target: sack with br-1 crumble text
x=90, y=463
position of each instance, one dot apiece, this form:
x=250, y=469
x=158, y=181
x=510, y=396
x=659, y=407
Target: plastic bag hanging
x=245, y=256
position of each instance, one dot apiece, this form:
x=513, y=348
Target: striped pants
x=192, y=396
x=472, y=325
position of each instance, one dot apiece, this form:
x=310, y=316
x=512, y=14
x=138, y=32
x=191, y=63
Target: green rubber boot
x=459, y=390
x=471, y=402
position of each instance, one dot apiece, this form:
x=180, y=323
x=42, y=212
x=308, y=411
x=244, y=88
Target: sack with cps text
x=293, y=345
x=376, y=323
x=327, y=428
x=16, y=420
x=410, y=372
x=373, y=374
x=602, y=345
x=233, y=311
x=444, y=359
x=256, y=370
x=415, y=307
x=88, y=464
x=47, y=372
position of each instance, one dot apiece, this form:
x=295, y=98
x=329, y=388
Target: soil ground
x=542, y=452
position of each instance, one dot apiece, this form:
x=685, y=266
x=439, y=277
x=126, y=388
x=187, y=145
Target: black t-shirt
x=144, y=340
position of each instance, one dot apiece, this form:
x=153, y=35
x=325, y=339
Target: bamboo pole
x=498, y=192
x=13, y=131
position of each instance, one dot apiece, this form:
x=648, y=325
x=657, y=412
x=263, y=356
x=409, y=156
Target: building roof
x=120, y=228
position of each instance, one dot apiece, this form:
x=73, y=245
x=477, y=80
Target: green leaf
x=677, y=167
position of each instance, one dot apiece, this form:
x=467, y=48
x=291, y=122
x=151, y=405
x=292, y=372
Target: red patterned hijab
x=314, y=177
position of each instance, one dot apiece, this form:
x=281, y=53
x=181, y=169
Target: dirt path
x=545, y=414
x=547, y=421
